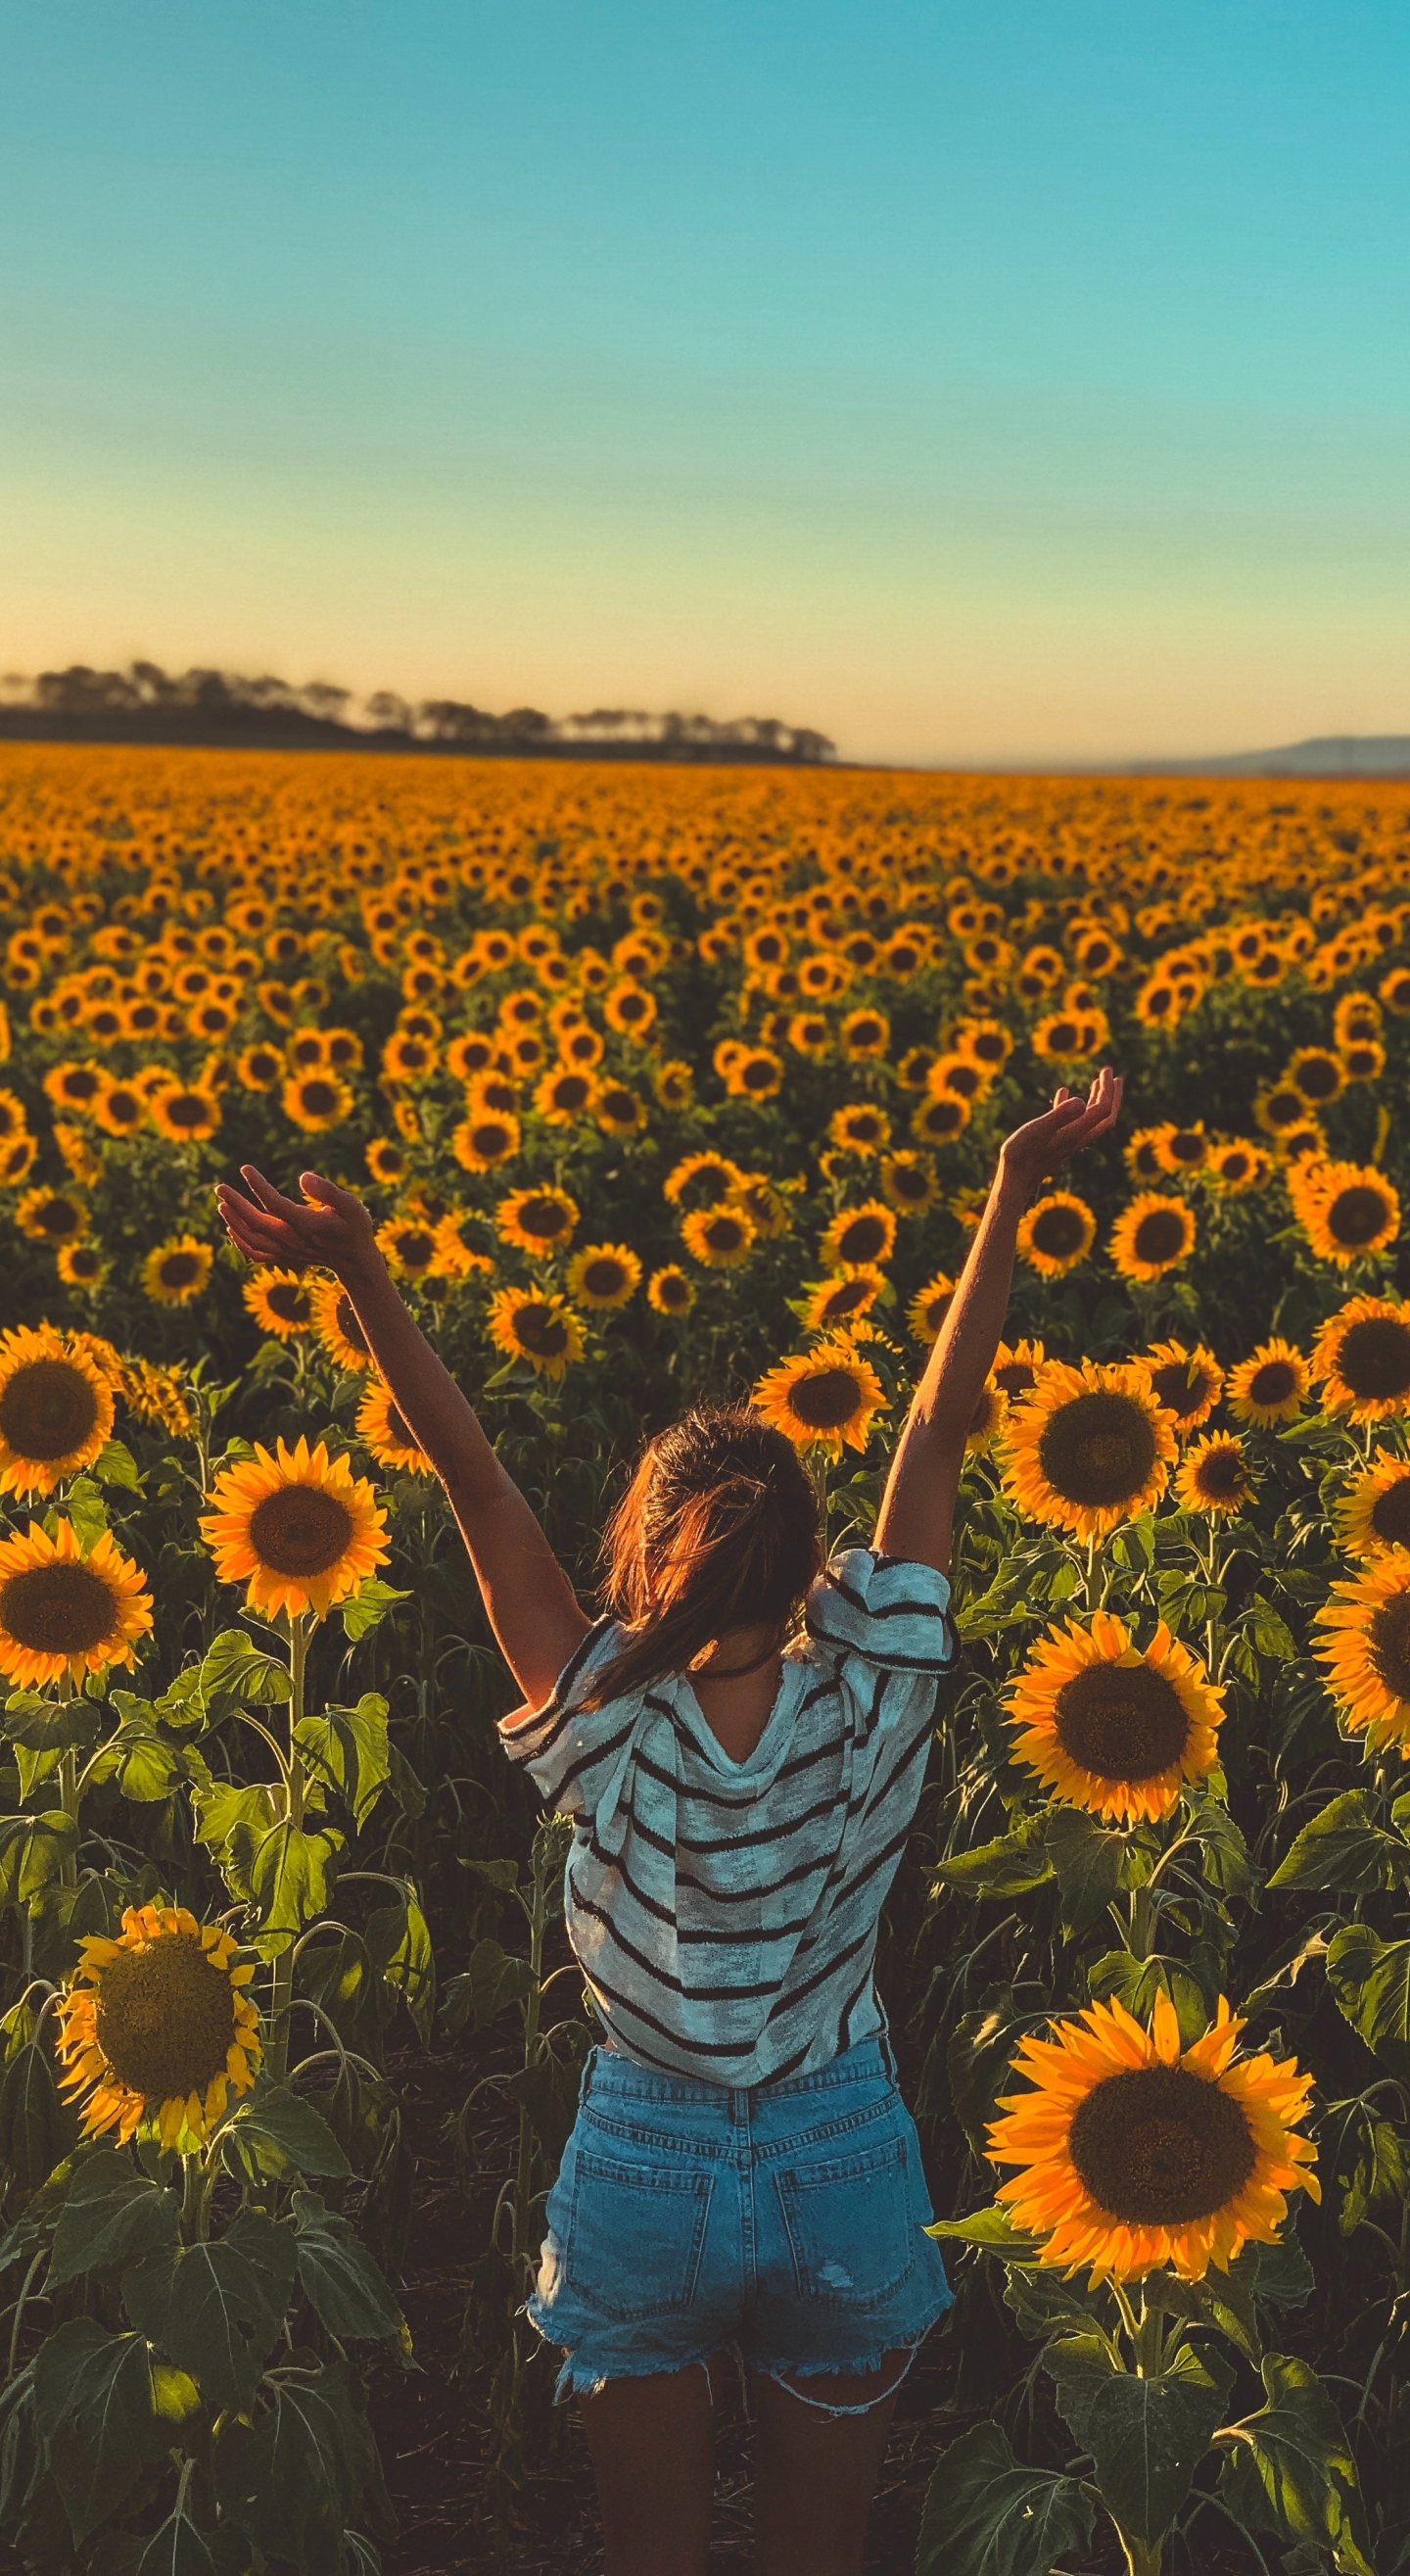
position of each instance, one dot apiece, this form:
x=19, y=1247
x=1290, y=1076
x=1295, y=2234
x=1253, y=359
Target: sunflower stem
x=194, y=2199
x=1142, y=2558
x=281, y=2002
x=69, y=1795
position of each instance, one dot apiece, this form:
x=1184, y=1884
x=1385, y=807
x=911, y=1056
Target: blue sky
x=1024, y=382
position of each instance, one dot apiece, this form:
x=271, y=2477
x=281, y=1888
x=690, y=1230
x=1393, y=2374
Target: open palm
x=1031, y=1152
x=328, y=1226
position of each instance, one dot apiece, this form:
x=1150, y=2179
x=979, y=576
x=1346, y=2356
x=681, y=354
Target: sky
x=1026, y=382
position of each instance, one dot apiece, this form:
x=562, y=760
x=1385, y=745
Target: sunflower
x=720, y=1237
x=712, y=1175
x=14, y=1119
x=909, y=1183
x=280, y=1303
x=1367, y=1654
x=408, y=1058
x=1361, y=1359
x=64, y=1612
x=1143, y=1152
x=1373, y=1515
x=957, y=1076
x=913, y=1071
x=81, y=1265
x=1214, y=1475
x=1278, y=1108
x=56, y=1410
x=865, y=1033
x=51, y=1216
x=1346, y=1210
x=1015, y=1369
x=841, y=1300
x=866, y=1233
x=537, y=1221
x=381, y=1428
x=1136, y=2154
x=1110, y=1727
x=121, y=1110
x=930, y=1306
x=565, y=1095
x=1188, y=1383
x=987, y=1420
x=1151, y=1236
x=298, y=1526
x=860, y=1128
x=541, y=1330
x=1270, y=1387
x=987, y=1041
x=1394, y=990
x=1299, y=1144
x=316, y=1101
x=825, y=1397
x=470, y=1054
x=480, y=1143
x=335, y=1322
x=669, y=1291
x=177, y=1270
x=809, y=1034
x=1236, y=1166
x=184, y=1112
x=458, y=1256
x=1089, y=1448
x=1056, y=1233
x=604, y=1275
x=260, y=1067
x=410, y=1247
x=386, y=1161
x=1183, y=1149
x=619, y=1110
x=157, y=2027
x=1317, y=1074
x=76, y=1086
x=938, y=1120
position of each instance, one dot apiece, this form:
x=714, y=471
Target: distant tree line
x=202, y=704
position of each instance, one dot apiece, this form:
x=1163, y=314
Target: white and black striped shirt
x=725, y=1913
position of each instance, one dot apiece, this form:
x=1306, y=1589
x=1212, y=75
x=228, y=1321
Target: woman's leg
x=815, y=2474
x=652, y=2442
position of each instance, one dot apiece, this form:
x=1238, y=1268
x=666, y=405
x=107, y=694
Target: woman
x=743, y=2176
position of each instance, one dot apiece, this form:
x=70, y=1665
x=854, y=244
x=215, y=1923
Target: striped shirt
x=725, y=1913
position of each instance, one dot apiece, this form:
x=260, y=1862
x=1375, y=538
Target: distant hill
x=1333, y=755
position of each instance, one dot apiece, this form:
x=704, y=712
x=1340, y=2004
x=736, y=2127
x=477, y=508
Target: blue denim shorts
x=784, y=2221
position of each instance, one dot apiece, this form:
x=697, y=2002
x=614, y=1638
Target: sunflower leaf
x=1304, y=2464
x=217, y=2308
x=1087, y=1863
x=234, y=1669
x=339, y=2278
x=1146, y=2437
x=399, y=1943
x=178, y=2549
x=293, y=2478
x=1010, y=1866
x=115, y=1465
x=482, y=1991
x=111, y=2215
x=348, y=1747
x=93, y=2408
x=1370, y=1979
x=289, y=1882
x=33, y=1850
x=988, y=2515
x=1344, y=1847
x=368, y=1607
x=276, y=2132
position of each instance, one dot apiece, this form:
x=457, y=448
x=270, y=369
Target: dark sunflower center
x=864, y=1127
x=541, y=1331
x=180, y=1269
x=1273, y=1383
x=827, y=1400
x=1390, y=1513
x=1181, y=1389
x=490, y=1137
x=1235, y=1167
x=1373, y=1357
x=724, y=1234
x=863, y=1240
x=1062, y=1037
x=571, y=1091
x=1059, y=1232
x=981, y=1420
x=1015, y=1377
x=288, y=1301
x=1319, y=1078
x=604, y=1278
x=186, y=1109
x=319, y=1098
x=58, y=1609
x=47, y=1409
x=847, y=1296
x=58, y=1217
x=300, y=1530
x=165, y=2019
x=417, y=1248
x=81, y=1084
x=673, y=1290
x=1121, y=1721
x=1219, y=1476
x=866, y=1033
x=937, y=1308
x=1145, y=1162
x=1187, y=1146
x=758, y=1074
x=499, y=1095
x=263, y=1068
x=123, y=1106
x=1160, y=2146
x=345, y=1319
x=908, y=1182
x=1285, y=1108
x=619, y=1104
x=1098, y=1449
x=942, y=1116
x=1357, y=1215
x=1388, y=1644
x=1160, y=1236
x=543, y=1219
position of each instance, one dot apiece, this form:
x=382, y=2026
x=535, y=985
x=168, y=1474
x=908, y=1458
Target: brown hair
x=718, y=1529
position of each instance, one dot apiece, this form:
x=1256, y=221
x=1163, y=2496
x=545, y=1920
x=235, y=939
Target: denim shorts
x=784, y=2221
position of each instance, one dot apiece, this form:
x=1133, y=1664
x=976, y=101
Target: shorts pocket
x=635, y=2236
x=848, y=2224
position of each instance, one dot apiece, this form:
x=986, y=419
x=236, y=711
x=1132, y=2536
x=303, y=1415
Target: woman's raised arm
x=530, y=1601
x=918, y=1506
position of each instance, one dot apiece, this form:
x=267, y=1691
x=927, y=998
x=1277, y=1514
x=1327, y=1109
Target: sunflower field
x=666, y=1084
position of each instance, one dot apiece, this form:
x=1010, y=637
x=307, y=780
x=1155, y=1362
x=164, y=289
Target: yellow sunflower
x=381, y=1428
x=410, y=1246
x=1188, y=1383
x=1136, y=2154
x=156, y=2027
x=457, y=1254
x=56, y=1409
x=825, y=1397
x=385, y=1160
x=485, y=1140
x=1144, y=1152
x=297, y=1527
x=51, y=1216
x=938, y=1121
x=860, y=1128
x=1237, y=1165
x=1373, y=1516
x=176, y=1271
x=1317, y=1074
x=619, y=1110
x=1214, y=1476
x=316, y=1101
x=865, y=1033
x=1056, y=1233
x=1151, y=1236
x=909, y=1183
x=1279, y=1108
x=565, y=1094
x=866, y=1233
x=1361, y=1359
x=1088, y=1449
x=537, y=1221
x=1346, y=1210
x=709, y=1177
x=1367, y=1654
x=669, y=1291
x=1016, y=1367
x=17, y=1160
x=722, y=1238
x=1269, y=1387
x=335, y=1322
x=62, y=1612
x=604, y=1275
x=987, y=1420
x=280, y=1303
x=841, y=1300
x=81, y=1265
x=1183, y=1149
x=539, y=1329
x=930, y=1306
x=184, y=1112
x=674, y=1085
x=1110, y=1727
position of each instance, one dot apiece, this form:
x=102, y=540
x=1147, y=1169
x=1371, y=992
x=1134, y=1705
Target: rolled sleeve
x=890, y=1610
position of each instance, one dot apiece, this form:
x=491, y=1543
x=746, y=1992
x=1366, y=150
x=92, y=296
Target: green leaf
x=1222, y=2299
x=178, y=2549
x=978, y=2057
x=42, y=1723
x=277, y=2132
x=1010, y=1866
x=408, y=1791
x=338, y=2276
x=1283, y=2278
x=993, y=1611
x=289, y=1883
x=93, y=2407
x=115, y=1465
x=1224, y=1852
x=492, y=1981
x=993, y=2229
x=1269, y=1633
x=146, y=1765
x=348, y=1748
x=182, y=1703
x=1147, y=2437
x=111, y=2215
x=1043, y=2302
x=368, y=1608
x=235, y=1670
x=548, y=2091
x=1344, y=1847
x=293, y=2479
x=37, y=2129
x=986, y=2515
x=1305, y=2466
x=399, y=1944
x=503, y=1874
x=33, y=1850
x=217, y=2308
x=1137, y=1982
x=1370, y=1979
x=1087, y=1862
x=234, y=1822
x=85, y=1507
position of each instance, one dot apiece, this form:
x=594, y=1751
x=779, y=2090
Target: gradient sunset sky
x=1028, y=380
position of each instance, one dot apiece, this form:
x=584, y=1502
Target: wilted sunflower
x=185, y=1112
x=1270, y=1387
x=62, y=1612
x=604, y=1275
x=930, y=1306
x=157, y=2026
x=1347, y=1210
x=1188, y=1383
x=537, y=1221
x=541, y=1330
x=1373, y=1515
x=1368, y=1653
x=825, y=1397
x=1136, y=2154
x=1151, y=1236
x=280, y=1303
x=1110, y=1727
x=669, y=1291
x=382, y=1429
x=1089, y=1448
x=842, y=1300
x=177, y=1270
x=909, y=1183
x=865, y=1233
x=1214, y=1475
x=297, y=1527
x=335, y=1322
x=1056, y=1233
x=56, y=1410
x=52, y=1216
x=720, y=1237
x=1361, y=1358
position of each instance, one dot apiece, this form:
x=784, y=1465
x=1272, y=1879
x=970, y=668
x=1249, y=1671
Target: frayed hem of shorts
x=574, y=2381
x=854, y=2367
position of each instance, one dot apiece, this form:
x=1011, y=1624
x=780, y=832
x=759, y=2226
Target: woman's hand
x=1032, y=1152
x=329, y=1225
